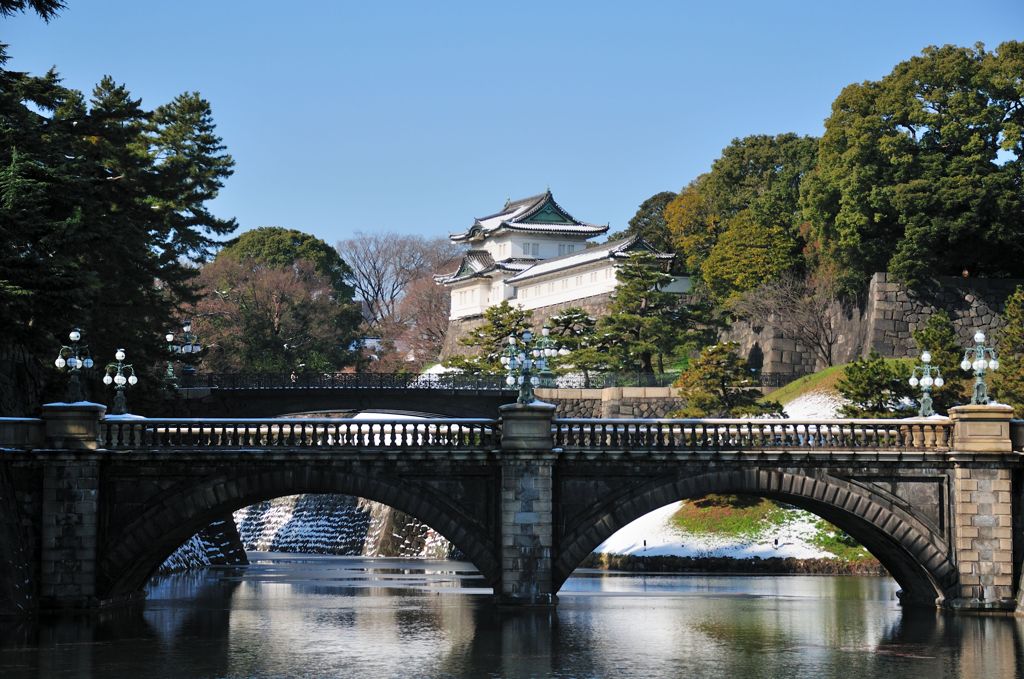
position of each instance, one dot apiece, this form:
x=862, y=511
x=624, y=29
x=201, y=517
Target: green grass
x=832, y=540
x=823, y=380
x=732, y=515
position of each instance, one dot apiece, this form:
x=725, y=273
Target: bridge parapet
x=809, y=437
x=322, y=433
x=21, y=432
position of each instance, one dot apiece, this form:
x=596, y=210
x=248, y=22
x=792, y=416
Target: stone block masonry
x=884, y=323
x=69, y=532
x=613, y=402
x=526, y=540
x=984, y=533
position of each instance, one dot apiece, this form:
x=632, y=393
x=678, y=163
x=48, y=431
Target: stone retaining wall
x=885, y=323
x=616, y=402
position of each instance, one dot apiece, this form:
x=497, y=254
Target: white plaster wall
x=471, y=299
x=511, y=245
x=567, y=286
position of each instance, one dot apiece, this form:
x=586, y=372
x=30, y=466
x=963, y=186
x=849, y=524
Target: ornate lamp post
x=116, y=376
x=975, y=359
x=189, y=346
x=930, y=375
x=526, y=361
x=73, y=357
x=548, y=348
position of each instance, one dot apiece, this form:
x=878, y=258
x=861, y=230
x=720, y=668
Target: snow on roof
x=537, y=214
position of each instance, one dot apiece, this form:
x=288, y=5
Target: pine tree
x=491, y=338
x=102, y=215
x=575, y=330
x=874, y=387
x=643, y=321
x=718, y=384
x=1008, y=381
x=938, y=337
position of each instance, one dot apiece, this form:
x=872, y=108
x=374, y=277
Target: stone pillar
x=69, y=524
x=526, y=507
x=73, y=426
x=70, y=506
x=983, y=506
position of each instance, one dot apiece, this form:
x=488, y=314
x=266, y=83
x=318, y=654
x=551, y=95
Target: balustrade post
x=73, y=426
x=527, y=468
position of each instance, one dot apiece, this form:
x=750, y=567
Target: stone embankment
x=615, y=402
x=725, y=564
x=311, y=524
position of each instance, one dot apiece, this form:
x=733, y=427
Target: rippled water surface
x=300, y=616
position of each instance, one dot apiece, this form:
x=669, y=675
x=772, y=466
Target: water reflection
x=292, y=616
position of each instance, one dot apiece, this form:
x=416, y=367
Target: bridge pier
x=70, y=507
x=983, y=507
x=527, y=512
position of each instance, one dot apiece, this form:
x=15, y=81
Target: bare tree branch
x=800, y=308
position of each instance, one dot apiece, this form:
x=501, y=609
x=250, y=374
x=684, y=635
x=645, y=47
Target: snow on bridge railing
x=321, y=433
x=21, y=432
x=1017, y=435
x=753, y=435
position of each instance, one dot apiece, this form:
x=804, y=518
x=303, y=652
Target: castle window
x=566, y=248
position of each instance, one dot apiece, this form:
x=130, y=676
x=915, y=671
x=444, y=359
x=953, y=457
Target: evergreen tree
x=47, y=9
x=919, y=173
x=574, y=329
x=490, y=339
x=649, y=223
x=938, y=337
x=102, y=221
x=278, y=248
x=745, y=213
x=718, y=384
x=875, y=387
x=1008, y=381
x=643, y=320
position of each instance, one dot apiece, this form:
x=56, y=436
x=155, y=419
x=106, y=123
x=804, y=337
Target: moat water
x=307, y=616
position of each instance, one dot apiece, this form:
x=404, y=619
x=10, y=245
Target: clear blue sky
x=415, y=117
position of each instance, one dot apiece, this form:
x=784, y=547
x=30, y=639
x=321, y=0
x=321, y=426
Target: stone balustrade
x=803, y=436
x=21, y=432
x=327, y=433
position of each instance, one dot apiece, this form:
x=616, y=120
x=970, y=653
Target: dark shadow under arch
x=907, y=548
x=134, y=554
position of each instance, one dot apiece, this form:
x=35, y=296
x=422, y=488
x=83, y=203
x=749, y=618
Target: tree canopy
x=644, y=320
x=490, y=339
x=102, y=212
x=739, y=225
x=278, y=247
x=649, y=222
x=919, y=173
x=1008, y=381
x=47, y=9
x=875, y=387
x=717, y=383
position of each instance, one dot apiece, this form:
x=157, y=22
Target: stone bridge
x=91, y=505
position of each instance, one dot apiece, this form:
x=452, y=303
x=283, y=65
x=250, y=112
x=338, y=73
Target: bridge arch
x=916, y=558
x=131, y=556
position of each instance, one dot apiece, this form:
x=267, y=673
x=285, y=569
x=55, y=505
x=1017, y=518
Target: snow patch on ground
x=665, y=539
x=815, y=405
